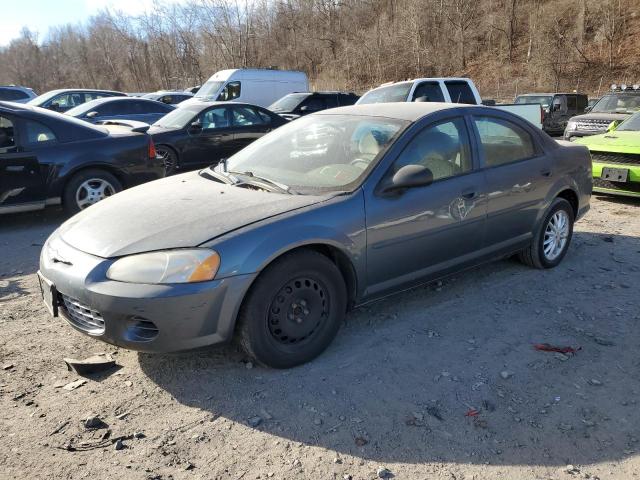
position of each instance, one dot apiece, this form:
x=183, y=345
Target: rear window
x=10, y=94
x=460, y=92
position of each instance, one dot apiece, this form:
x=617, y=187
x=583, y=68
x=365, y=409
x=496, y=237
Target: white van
x=256, y=86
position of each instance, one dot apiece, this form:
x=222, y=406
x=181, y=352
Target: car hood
x=601, y=116
x=176, y=212
x=617, y=141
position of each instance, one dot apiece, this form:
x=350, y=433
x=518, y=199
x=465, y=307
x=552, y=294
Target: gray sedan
x=336, y=209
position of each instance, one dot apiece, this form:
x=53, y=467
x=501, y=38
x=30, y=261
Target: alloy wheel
x=556, y=235
x=93, y=190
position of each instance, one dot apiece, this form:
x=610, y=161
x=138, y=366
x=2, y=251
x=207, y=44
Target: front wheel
x=87, y=188
x=293, y=311
x=551, y=242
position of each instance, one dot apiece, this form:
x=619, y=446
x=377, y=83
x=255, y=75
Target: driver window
x=231, y=91
x=214, y=118
x=443, y=148
x=7, y=141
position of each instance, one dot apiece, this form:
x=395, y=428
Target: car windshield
x=288, y=102
x=209, y=90
x=178, y=118
x=318, y=153
x=631, y=124
x=543, y=100
x=41, y=99
x=618, y=103
x=393, y=93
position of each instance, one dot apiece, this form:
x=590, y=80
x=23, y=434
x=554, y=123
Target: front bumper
x=571, y=135
x=143, y=317
x=630, y=188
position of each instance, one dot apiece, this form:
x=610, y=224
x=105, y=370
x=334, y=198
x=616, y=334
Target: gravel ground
x=397, y=389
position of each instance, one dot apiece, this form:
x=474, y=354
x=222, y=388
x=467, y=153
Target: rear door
x=518, y=174
x=428, y=92
x=248, y=125
x=21, y=181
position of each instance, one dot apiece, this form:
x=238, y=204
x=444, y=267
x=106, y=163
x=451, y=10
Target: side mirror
x=612, y=126
x=195, y=127
x=409, y=176
x=555, y=107
x=587, y=109
x=92, y=114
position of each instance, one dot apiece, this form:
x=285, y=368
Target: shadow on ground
x=399, y=364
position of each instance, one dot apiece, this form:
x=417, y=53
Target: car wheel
x=293, y=311
x=169, y=157
x=87, y=188
x=551, y=242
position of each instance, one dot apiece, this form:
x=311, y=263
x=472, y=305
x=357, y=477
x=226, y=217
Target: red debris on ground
x=546, y=347
x=472, y=413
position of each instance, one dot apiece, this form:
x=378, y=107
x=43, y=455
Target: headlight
x=572, y=126
x=169, y=266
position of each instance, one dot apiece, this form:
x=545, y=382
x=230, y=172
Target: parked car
x=121, y=108
x=259, y=87
x=295, y=105
x=49, y=158
x=558, y=108
x=198, y=135
x=193, y=90
x=449, y=90
x=335, y=209
x=65, y=99
x=616, y=106
x=14, y=93
x=615, y=156
x=168, y=97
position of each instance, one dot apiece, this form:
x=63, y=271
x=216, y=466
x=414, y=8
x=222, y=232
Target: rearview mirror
x=91, y=114
x=409, y=176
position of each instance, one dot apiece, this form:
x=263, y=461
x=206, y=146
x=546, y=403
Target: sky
x=39, y=15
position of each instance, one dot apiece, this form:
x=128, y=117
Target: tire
x=169, y=157
x=88, y=187
x=539, y=255
x=293, y=311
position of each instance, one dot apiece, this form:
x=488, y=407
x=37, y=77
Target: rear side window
x=582, y=102
x=37, y=133
x=150, y=107
x=314, y=104
x=246, y=116
x=347, y=99
x=68, y=100
x=572, y=103
x=10, y=94
x=231, y=91
x=7, y=140
x=460, y=92
x=503, y=141
x=428, y=92
x=331, y=101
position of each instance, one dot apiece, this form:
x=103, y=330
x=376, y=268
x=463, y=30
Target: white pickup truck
x=448, y=90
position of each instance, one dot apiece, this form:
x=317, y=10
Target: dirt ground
x=394, y=391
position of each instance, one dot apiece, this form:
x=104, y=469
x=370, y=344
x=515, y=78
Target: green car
x=616, y=158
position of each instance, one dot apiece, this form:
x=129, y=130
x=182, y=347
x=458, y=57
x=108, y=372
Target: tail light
x=152, y=149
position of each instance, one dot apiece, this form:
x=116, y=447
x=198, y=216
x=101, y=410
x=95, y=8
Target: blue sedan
x=121, y=108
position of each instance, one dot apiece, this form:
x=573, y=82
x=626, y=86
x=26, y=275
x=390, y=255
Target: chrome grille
x=82, y=316
x=595, y=125
x=618, y=158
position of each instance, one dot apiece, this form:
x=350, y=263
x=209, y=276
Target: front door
x=248, y=126
x=20, y=179
x=518, y=175
x=212, y=142
x=427, y=230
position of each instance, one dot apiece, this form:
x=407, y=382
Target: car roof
x=410, y=111
x=62, y=90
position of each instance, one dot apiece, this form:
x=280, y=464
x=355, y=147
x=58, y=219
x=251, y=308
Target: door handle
x=469, y=193
x=545, y=172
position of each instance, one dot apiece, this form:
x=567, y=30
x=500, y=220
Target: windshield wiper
x=279, y=186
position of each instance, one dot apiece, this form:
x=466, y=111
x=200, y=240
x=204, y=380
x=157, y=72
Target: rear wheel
x=551, y=242
x=293, y=311
x=87, y=188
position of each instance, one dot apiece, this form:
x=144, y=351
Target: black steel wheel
x=293, y=311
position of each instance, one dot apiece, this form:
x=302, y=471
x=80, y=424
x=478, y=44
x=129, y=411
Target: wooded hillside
x=505, y=46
